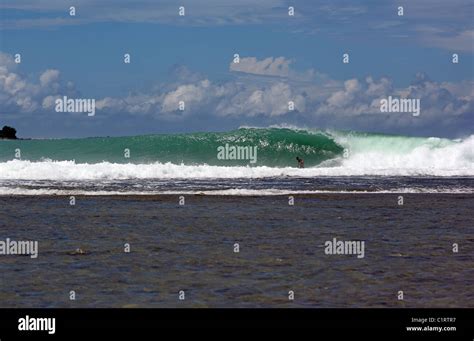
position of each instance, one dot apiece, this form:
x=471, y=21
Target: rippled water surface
x=191, y=248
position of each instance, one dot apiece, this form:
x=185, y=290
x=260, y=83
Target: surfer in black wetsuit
x=300, y=162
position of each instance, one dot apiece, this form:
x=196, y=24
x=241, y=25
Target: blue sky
x=190, y=58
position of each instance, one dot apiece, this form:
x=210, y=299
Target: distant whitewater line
x=225, y=192
x=69, y=170
x=185, y=156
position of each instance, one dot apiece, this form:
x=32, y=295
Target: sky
x=190, y=58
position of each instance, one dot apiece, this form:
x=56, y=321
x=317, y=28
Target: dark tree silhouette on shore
x=8, y=133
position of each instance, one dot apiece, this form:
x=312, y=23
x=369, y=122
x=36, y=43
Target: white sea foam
x=226, y=192
x=400, y=155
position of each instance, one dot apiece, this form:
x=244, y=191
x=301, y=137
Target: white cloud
x=269, y=101
x=357, y=97
x=48, y=77
x=246, y=98
x=19, y=94
x=352, y=100
x=188, y=93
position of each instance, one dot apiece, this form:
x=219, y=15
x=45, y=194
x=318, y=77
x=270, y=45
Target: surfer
x=300, y=162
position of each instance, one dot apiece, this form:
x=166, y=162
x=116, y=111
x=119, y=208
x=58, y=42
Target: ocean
x=161, y=221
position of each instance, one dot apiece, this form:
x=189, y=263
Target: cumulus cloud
x=441, y=99
x=234, y=98
x=20, y=94
x=357, y=97
x=188, y=94
x=49, y=77
x=440, y=102
x=351, y=100
x=242, y=99
x=271, y=100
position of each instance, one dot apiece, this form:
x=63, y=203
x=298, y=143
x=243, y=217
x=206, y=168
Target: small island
x=8, y=133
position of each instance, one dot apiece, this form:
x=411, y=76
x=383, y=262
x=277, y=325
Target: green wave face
x=276, y=147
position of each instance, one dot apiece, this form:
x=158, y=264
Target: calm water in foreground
x=191, y=248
